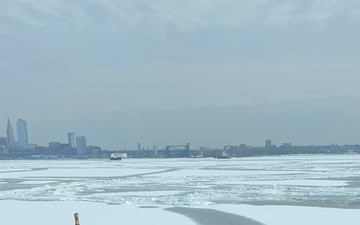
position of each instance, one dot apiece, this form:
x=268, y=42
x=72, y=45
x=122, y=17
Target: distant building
x=54, y=145
x=155, y=151
x=268, y=143
x=58, y=148
x=10, y=136
x=23, y=140
x=286, y=145
x=32, y=146
x=94, y=150
x=71, y=139
x=205, y=151
x=81, y=148
x=3, y=142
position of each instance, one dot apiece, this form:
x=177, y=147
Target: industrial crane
x=184, y=148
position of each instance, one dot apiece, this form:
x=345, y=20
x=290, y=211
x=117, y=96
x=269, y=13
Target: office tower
x=10, y=135
x=22, y=133
x=81, y=148
x=268, y=143
x=155, y=151
x=71, y=138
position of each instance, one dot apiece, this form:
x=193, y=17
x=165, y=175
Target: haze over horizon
x=160, y=72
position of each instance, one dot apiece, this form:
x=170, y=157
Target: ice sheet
x=331, y=180
x=322, y=183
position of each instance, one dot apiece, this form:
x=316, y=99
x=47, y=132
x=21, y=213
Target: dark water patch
x=213, y=217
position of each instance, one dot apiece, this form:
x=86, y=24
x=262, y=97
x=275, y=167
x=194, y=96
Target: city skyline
x=22, y=141
x=72, y=141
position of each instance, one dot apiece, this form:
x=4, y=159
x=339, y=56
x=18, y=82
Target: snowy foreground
x=250, y=191
x=60, y=213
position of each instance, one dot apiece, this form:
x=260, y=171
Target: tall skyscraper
x=71, y=138
x=81, y=148
x=10, y=135
x=21, y=127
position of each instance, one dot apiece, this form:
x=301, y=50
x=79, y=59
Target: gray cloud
x=185, y=16
x=74, y=64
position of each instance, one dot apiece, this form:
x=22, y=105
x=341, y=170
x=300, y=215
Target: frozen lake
x=239, y=185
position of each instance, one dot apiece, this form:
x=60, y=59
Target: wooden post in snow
x=76, y=215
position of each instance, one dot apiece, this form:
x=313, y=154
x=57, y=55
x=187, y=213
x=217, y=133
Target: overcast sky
x=164, y=72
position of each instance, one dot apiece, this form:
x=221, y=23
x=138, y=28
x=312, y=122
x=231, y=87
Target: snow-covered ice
x=123, y=188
